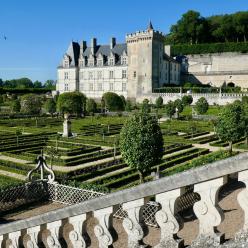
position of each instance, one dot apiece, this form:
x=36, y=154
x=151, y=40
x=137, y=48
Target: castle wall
x=216, y=69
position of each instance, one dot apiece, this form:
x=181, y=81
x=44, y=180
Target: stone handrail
x=207, y=181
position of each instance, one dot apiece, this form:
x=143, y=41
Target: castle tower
x=145, y=58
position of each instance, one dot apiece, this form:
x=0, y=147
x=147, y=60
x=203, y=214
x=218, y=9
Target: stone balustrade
x=206, y=180
x=212, y=98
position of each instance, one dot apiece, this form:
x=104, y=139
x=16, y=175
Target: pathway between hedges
x=13, y=175
x=61, y=168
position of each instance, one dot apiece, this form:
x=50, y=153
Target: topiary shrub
x=112, y=101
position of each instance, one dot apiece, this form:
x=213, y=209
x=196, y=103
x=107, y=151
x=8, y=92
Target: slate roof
x=74, y=52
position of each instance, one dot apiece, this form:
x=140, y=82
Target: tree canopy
x=192, y=28
x=141, y=142
x=201, y=106
x=31, y=104
x=112, y=101
x=71, y=103
x=230, y=125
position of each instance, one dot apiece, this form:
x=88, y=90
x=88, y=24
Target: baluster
x=131, y=224
x=102, y=229
x=33, y=233
x=208, y=212
x=14, y=237
x=53, y=238
x=169, y=224
x=1, y=240
x=75, y=235
x=243, y=198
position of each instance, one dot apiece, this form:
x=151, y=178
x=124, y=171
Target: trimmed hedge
x=186, y=49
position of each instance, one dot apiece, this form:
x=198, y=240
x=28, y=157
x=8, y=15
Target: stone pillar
x=75, y=235
x=67, y=127
x=243, y=198
x=33, y=233
x=14, y=237
x=208, y=212
x=169, y=224
x=53, y=238
x=102, y=229
x=1, y=240
x=131, y=224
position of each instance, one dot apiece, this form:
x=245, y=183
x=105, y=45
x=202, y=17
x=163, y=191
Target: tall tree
x=141, y=143
x=230, y=125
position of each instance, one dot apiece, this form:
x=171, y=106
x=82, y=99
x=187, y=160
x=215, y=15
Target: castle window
x=66, y=87
x=100, y=62
x=99, y=86
x=111, y=61
x=111, y=74
x=111, y=87
x=91, y=62
x=90, y=75
x=99, y=75
x=66, y=75
x=124, y=74
x=134, y=74
x=91, y=87
x=124, y=86
x=124, y=60
x=66, y=63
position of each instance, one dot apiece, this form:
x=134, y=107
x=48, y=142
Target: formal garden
x=94, y=156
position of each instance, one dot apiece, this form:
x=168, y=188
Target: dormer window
x=91, y=62
x=111, y=61
x=124, y=61
x=66, y=64
x=100, y=62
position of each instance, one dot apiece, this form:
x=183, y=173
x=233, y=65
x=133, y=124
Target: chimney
x=112, y=42
x=83, y=46
x=167, y=50
x=93, y=45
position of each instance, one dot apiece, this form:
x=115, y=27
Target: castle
x=131, y=69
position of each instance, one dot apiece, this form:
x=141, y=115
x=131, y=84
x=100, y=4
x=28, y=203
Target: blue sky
x=38, y=32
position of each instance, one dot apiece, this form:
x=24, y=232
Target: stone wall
x=216, y=69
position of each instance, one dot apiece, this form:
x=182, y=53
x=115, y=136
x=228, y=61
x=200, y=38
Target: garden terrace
x=111, y=129
x=213, y=183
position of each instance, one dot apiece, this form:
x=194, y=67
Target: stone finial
x=41, y=167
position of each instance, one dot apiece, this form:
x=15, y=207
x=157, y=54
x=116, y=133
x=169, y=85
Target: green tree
x=201, y=106
x=128, y=106
x=31, y=104
x=91, y=106
x=37, y=84
x=71, y=103
x=141, y=143
x=179, y=106
x=145, y=107
x=50, y=84
x=50, y=106
x=245, y=121
x=170, y=109
x=244, y=100
x=16, y=106
x=230, y=125
x=123, y=100
x=112, y=102
x=1, y=99
x=159, y=102
x=187, y=100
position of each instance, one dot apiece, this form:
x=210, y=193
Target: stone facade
x=218, y=69
x=131, y=69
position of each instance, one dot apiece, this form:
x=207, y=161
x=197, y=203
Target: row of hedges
x=186, y=49
x=134, y=176
x=7, y=182
x=207, y=139
x=119, y=175
x=220, y=143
